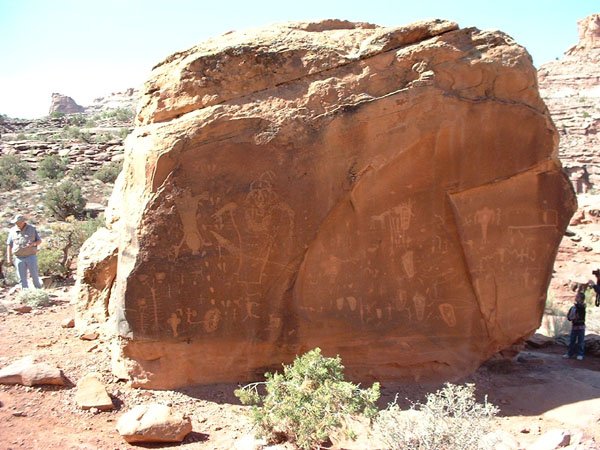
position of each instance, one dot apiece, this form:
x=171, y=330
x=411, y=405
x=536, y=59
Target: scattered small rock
x=153, y=423
x=552, y=440
x=499, y=440
x=249, y=442
x=27, y=372
x=19, y=414
x=23, y=309
x=89, y=336
x=68, y=323
x=91, y=394
x=526, y=358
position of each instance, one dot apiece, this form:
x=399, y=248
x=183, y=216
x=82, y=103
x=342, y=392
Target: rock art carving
x=326, y=187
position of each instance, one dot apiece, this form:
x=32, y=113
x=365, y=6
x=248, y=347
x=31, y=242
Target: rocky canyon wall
x=571, y=88
x=392, y=195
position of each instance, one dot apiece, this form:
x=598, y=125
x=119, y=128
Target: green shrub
x=308, y=401
x=62, y=246
x=64, y=200
x=76, y=119
x=451, y=419
x=34, y=297
x=13, y=172
x=108, y=173
x=52, y=167
x=120, y=114
x=123, y=133
x=79, y=171
x=50, y=262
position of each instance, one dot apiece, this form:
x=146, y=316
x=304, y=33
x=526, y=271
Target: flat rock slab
x=91, y=393
x=28, y=373
x=153, y=423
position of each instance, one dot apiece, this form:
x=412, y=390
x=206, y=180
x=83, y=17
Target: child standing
x=576, y=316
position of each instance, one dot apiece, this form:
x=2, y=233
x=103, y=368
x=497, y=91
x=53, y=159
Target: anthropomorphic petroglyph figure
x=212, y=319
x=484, y=217
x=447, y=313
x=408, y=263
x=174, y=320
x=187, y=207
x=419, y=304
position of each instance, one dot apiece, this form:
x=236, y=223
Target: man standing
x=22, y=244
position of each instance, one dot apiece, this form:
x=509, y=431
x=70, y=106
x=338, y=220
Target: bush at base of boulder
x=153, y=423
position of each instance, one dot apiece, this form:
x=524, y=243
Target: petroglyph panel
x=399, y=219
x=508, y=244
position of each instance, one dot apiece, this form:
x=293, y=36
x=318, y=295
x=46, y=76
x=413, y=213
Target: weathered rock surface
x=153, y=423
x=29, y=373
x=64, y=104
x=91, y=393
x=571, y=89
x=96, y=271
x=392, y=195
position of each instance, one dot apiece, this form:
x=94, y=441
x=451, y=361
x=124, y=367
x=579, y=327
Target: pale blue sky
x=89, y=48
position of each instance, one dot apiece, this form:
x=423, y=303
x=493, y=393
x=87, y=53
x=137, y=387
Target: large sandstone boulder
x=392, y=195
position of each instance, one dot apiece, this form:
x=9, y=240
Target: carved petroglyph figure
x=419, y=304
x=448, y=315
x=249, y=312
x=174, y=320
x=408, y=263
x=187, y=207
x=350, y=301
x=211, y=321
x=142, y=305
x=397, y=223
x=484, y=217
x=268, y=219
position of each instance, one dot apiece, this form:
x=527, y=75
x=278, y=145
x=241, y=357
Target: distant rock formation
x=64, y=104
x=589, y=35
x=571, y=89
x=117, y=100
x=392, y=195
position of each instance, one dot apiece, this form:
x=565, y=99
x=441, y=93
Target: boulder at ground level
x=539, y=340
x=391, y=195
x=27, y=372
x=153, y=423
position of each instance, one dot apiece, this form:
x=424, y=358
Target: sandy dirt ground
x=536, y=392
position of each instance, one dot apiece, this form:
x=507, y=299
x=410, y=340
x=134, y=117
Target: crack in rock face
x=391, y=195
